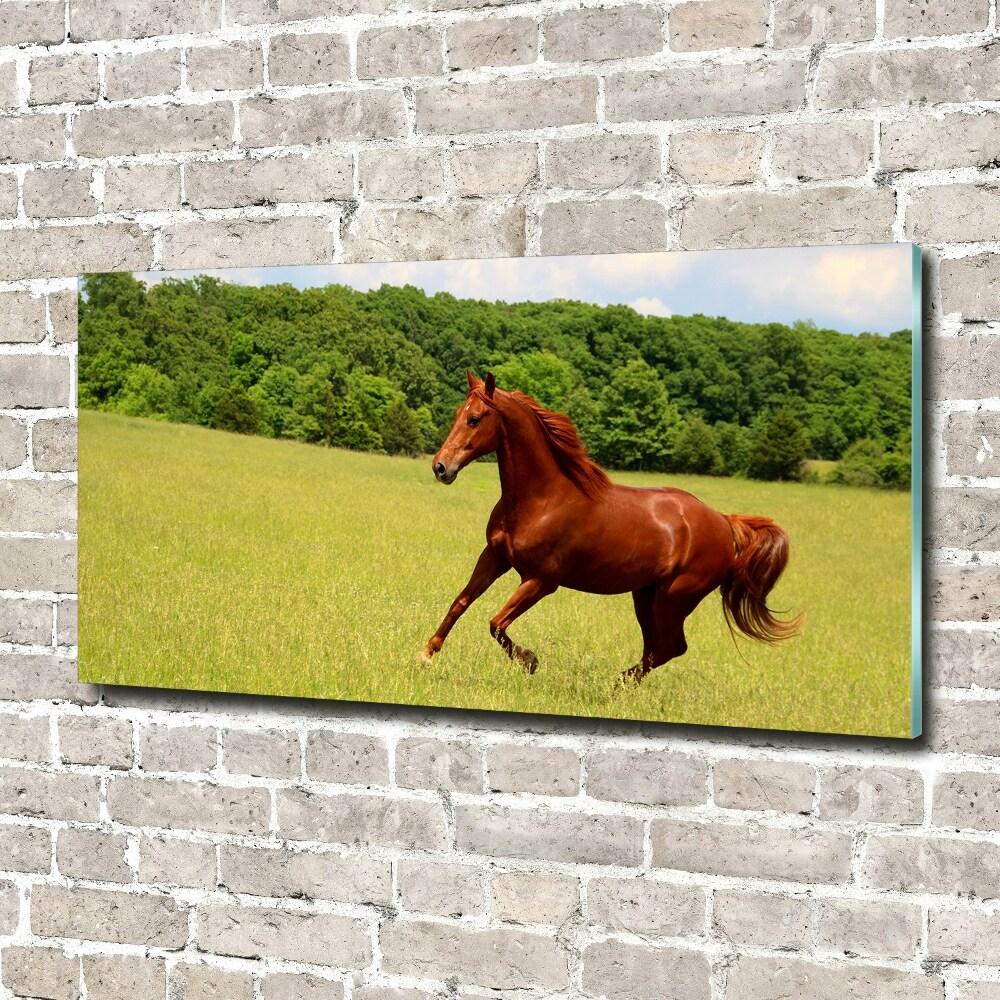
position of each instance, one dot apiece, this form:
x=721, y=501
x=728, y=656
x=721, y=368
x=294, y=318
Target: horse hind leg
x=671, y=608
x=643, y=601
x=526, y=596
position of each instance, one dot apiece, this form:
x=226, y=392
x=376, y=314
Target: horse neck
x=528, y=469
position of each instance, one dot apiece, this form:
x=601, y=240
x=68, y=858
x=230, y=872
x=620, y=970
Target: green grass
x=217, y=562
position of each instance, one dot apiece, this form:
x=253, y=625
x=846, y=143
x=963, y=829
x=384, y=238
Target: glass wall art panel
x=670, y=487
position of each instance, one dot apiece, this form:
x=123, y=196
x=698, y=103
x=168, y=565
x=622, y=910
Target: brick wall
x=164, y=845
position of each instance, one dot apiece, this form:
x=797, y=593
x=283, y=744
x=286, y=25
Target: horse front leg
x=526, y=596
x=489, y=567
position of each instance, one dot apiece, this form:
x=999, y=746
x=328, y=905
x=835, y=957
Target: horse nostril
x=439, y=468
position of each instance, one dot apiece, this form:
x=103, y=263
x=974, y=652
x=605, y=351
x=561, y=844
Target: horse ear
x=491, y=384
x=473, y=381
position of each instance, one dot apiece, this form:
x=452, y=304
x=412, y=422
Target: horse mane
x=568, y=450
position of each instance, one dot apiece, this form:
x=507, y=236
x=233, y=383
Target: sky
x=847, y=288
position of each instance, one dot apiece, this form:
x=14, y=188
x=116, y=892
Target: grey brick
x=517, y=959
x=436, y=887
x=954, y=213
x=256, y=932
x=181, y=805
x=309, y=59
x=754, y=88
x=142, y=74
x=267, y=753
x=972, y=442
x=766, y=978
x=869, y=928
x=603, y=161
x=25, y=622
x=597, y=34
x=765, y=218
x=932, y=864
x=392, y=993
x=976, y=990
x=964, y=727
x=265, y=12
x=808, y=22
x=8, y=196
x=235, y=66
x=962, y=367
x=506, y=104
x=54, y=442
x=539, y=770
x=41, y=972
x=22, y=320
x=622, y=970
x=201, y=982
x=463, y=231
x=105, y=915
x=960, y=658
x=96, y=739
x=91, y=19
x=762, y=919
x=929, y=142
x=401, y=174
x=25, y=849
x=784, y=786
x=963, y=593
x=25, y=737
x=122, y=977
x=9, y=97
x=822, y=152
x=535, y=897
x=299, y=986
x=33, y=138
x=235, y=183
x=32, y=676
x=247, y=243
x=907, y=76
x=63, y=79
x=59, y=250
x=920, y=18
x=178, y=748
x=659, y=778
x=485, y=170
x=59, y=193
x=357, y=114
x=450, y=765
x=508, y=41
x=349, y=877
x=413, y=50
x=751, y=850
x=13, y=443
x=363, y=819
x=717, y=24
x=63, y=315
x=10, y=907
x=168, y=861
x=49, y=795
x=142, y=187
x=871, y=795
x=93, y=854
x=646, y=906
x=41, y=505
x=347, y=758
x=962, y=934
x=548, y=835
x=577, y=227
x=169, y=129
x=963, y=518
x=41, y=22
x=967, y=800
x=38, y=564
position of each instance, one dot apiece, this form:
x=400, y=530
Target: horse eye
x=474, y=421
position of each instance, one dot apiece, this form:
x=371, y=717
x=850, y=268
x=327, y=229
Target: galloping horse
x=561, y=522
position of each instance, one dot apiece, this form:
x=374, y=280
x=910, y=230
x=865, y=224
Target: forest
x=384, y=370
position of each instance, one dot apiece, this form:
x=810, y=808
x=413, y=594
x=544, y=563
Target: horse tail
x=761, y=556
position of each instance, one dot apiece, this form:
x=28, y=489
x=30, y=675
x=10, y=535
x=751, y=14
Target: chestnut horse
x=561, y=522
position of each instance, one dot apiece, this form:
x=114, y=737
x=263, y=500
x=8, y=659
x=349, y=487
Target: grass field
x=219, y=562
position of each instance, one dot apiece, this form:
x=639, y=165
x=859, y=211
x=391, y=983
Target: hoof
x=426, y=657
x=630, y=678
x=526, y=658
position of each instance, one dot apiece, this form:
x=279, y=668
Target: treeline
x=384, y=371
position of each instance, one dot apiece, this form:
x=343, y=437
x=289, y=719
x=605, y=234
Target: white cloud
x=651, y=306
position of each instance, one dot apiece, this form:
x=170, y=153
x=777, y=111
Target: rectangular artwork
x=670, y=487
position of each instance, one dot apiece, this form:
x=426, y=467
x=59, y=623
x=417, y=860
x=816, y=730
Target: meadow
x=214, y=561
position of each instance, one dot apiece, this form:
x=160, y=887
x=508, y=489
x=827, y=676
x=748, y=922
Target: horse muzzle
x=443, y=474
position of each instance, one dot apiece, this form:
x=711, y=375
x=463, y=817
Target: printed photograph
x=669, y=487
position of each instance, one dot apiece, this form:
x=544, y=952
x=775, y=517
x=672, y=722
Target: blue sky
x=851, y=288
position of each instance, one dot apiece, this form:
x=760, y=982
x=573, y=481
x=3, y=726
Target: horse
x=562, y=522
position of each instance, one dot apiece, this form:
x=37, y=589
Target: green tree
x=400, y=430
x=859, y=465
x=780, y=449
x=540, y=374
x=697, y=448
x=636, y=424
x=145, y=393
x=236, y=411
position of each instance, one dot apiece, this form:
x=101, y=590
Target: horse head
x=476, y=431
